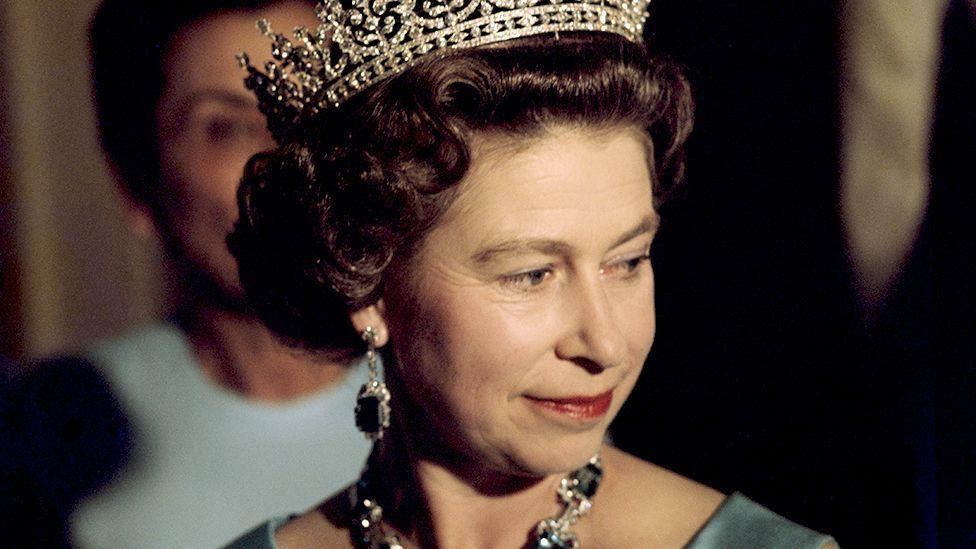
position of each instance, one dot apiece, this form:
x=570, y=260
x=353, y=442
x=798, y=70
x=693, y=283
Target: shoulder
x=633, y=478
x=670, y=507
x=145, y=362
x=740, y=522
x=674, y=511
x=323, y=526
x=155, y=342
x=318, y=527
x=261, y=536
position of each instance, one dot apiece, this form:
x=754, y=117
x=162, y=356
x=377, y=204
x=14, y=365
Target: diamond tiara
x=360, y=42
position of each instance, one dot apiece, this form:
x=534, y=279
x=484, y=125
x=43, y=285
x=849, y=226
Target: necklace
x=575, y=491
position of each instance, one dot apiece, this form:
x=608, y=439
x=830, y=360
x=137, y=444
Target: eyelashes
x=525, y=281
x=536, y=279
x=627, y=267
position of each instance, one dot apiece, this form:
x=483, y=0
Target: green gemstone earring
x=373, y=402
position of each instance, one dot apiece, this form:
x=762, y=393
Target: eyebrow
x=177, y=120
x=548, y=246
x=220, y=96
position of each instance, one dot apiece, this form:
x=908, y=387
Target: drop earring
x=373, y=402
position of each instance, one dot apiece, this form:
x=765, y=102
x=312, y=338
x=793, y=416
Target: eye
x=525, y=281
x=220, y=130
x=626, y=267
x=228, y=131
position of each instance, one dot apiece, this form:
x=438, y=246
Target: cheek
x=470, y=354
x=641, y=322
x=212, y=193
x=637, y=321
x=200, y=210
x=205, y=180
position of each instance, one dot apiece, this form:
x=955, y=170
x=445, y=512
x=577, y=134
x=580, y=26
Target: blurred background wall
x=71, y=272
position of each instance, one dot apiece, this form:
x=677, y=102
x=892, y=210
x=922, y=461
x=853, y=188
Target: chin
x=559, y=455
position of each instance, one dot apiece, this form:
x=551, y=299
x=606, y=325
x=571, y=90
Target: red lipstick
x=577, y=407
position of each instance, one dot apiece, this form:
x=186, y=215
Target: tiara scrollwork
x=360, y=42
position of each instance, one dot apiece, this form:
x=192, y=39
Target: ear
x=140, y=219
x=371, y=316
x=139, y=215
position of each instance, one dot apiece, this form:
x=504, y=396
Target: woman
x=482, y=217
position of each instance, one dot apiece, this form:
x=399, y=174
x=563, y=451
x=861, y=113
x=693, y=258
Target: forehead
x=200, y=57
x=558, y=166
x=567, y=184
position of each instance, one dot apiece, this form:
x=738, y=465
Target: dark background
x=768, y=376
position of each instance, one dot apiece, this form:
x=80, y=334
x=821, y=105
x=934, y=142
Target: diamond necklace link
x=575, y=491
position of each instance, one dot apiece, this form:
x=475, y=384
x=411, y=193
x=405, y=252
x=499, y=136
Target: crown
x=360, y=42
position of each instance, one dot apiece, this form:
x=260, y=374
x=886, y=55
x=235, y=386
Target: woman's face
x=209, y=126
x=523, y=320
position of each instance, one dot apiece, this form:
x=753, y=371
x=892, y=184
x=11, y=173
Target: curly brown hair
x=322, y=216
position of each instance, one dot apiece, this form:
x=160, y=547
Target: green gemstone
x=588, y=479
x=368, y=414
x=551, y=540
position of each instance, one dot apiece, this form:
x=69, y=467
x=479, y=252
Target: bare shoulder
x=635, y=480
x=642, y=503
x=322, y=526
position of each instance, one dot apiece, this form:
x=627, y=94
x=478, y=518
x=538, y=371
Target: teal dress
x=738, y=523
x=741, y=522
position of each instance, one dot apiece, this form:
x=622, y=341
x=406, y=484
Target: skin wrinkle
x=499, y=148
x=472, y=349
x=448, y=272
x=517, y=246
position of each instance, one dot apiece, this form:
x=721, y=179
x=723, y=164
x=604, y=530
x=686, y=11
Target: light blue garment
x=206, y=463
x=261, y=537
x=739, y=523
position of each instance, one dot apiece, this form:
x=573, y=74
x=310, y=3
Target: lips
x=576, y=407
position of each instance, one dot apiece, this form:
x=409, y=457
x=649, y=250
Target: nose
x=593, y=335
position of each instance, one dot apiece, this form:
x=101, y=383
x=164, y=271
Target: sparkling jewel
x=365, y=33
x=588, y=479
x=551, y=533
x=552, y=540
x=368, y=413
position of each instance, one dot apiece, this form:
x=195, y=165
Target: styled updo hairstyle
x=323, y=216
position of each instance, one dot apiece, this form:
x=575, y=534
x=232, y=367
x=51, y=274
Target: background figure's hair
x=323, y=215
x=129, y=40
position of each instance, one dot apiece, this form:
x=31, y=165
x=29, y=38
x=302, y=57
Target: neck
x=456, y=502
x=237, y=352
x=463, y=515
